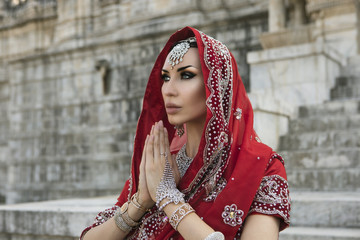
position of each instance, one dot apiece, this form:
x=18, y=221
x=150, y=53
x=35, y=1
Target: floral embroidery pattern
x=232, y=216
x=272, y=198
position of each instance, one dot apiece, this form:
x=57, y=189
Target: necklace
x=183, y=161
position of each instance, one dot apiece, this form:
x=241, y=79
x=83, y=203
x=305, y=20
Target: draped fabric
x=223, y=179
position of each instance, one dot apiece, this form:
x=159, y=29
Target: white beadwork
x=232, y=216
x=183, y=161
x=272, y=197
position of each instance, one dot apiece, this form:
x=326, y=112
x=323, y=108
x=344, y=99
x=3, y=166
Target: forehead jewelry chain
x=177, y=53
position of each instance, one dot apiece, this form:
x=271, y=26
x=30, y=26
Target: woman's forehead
x=191, y=57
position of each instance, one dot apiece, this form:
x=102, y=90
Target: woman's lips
x=172, y=108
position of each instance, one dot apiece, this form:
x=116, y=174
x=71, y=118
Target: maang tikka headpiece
x=177, y=53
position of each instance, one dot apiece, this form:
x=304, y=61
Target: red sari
x=233, y=174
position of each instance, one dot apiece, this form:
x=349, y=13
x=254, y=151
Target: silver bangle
x=165, y=204
x=215, y=236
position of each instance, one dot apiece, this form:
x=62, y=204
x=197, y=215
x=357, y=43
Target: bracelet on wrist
x=135, y=202
x=179, y=214
x=123, y=220
x=165, y=204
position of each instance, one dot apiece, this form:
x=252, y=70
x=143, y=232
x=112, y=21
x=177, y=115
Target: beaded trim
x=272, y=198
x=217, y=147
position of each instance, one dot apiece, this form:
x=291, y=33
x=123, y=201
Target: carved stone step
x=325, y=209
x=322, y=159
x=339, y=108
x=321, y=140
x=311, y=233
x=321, y=123
x=345, y=92
x=337, y=179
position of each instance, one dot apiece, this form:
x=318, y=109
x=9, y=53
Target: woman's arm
x=109, y=231
x=260, y=227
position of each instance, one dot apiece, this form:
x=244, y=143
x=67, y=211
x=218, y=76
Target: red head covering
x=223, y=178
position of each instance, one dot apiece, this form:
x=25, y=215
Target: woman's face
x=183, y=90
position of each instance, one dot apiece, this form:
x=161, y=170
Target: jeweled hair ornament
x=177, y=53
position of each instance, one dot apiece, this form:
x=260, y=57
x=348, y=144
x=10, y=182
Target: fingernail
x=161, y=123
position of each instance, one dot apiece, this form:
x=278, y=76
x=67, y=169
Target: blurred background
x=72, y=78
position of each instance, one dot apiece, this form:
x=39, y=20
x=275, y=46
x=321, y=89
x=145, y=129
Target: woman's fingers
x=156, y=146
x=162, y=146
x=142, y=163
x=150, y=150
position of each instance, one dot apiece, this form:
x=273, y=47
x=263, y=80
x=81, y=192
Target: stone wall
x=72, y=85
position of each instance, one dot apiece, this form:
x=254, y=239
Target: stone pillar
x=276, y=15
x=357, y=4
x=299, y=12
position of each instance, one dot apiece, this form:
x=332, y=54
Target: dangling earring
x=180, y=130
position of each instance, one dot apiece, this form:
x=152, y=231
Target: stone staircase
x=322, y=153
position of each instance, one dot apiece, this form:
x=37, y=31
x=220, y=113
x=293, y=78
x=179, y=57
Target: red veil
x=224, y=176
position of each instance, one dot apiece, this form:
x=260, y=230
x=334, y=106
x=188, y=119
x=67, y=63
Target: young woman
x=211, y=178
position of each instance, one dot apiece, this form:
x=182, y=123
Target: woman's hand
x=157, y=151
x=144, y=195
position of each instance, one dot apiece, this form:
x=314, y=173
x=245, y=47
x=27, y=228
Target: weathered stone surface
x=325, y=209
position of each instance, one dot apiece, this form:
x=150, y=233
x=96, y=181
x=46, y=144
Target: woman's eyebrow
x=179, y=69
x=182, y=68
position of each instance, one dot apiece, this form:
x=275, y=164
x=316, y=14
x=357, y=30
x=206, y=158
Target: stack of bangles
x=122, y=218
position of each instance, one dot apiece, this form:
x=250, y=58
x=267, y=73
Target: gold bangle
x=123, y=220
x=179, y=214
x=135, y=202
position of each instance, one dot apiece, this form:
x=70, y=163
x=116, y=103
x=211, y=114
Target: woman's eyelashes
x=165, y=77
x=184, y=75
x=187, y=75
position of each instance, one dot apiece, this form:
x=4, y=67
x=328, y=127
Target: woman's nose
x=169, y=88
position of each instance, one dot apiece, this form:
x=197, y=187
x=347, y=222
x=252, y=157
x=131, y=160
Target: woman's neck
x=194, y=132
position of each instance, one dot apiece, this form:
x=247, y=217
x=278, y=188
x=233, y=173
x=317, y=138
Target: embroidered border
x=272, y=198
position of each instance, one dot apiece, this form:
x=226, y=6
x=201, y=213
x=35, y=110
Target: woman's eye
x=187, y=75
x=165, y=77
